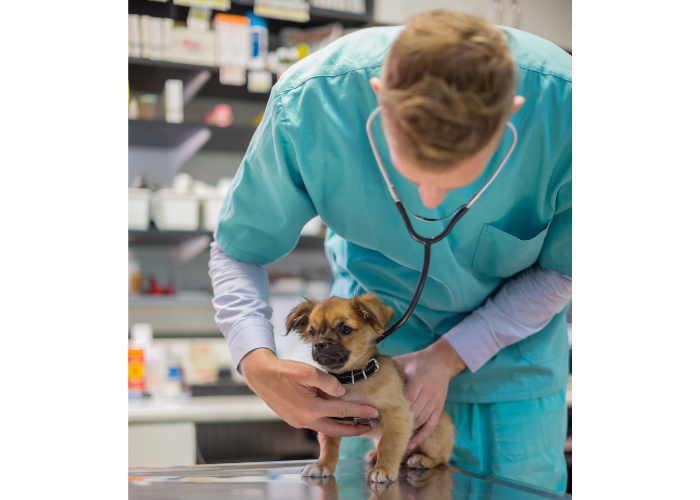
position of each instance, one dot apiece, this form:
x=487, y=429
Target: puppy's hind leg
x=437, y=448
x=420, y=461
x=326, y=463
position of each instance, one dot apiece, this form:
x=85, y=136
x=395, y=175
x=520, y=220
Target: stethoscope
x=428, y=242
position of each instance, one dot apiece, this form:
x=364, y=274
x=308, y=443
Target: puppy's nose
x=320, y=345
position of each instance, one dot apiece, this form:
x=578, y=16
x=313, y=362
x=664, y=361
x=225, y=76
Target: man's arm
x=525, y=305
x=290, y=388
x=241, y=303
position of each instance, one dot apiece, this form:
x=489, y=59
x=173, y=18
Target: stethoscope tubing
x=427, y=242
x=427, y=245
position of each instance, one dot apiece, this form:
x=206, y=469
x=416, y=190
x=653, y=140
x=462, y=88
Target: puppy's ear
x=373, y=311
x=298, y=319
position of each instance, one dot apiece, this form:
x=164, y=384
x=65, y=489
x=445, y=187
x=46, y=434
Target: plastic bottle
x=258, y=41
x=134, y=274
x=157, y=370
x=139, y=348
x=174, y=98
x=137, y=372
x=173, y=383
x=204, y=362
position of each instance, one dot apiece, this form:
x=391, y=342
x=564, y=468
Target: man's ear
x=373, y=311
x=376, y=84
x=298, y=319
x=518, y=102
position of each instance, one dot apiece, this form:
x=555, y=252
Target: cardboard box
x=193, y=47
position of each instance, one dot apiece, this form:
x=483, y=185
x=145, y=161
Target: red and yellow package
x=137, y=370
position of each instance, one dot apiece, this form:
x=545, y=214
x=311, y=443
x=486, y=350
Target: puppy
x=343, y=334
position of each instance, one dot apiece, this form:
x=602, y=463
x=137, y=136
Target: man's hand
x=295, y=391
x=429, y=372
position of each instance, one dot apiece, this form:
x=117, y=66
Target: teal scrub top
x=311, y=156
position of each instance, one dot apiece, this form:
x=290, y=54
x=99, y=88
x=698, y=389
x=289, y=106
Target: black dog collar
x=357, y=375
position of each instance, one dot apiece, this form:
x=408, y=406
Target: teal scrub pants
x=521, y=440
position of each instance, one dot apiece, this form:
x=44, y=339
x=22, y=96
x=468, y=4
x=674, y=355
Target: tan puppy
x=343, y=334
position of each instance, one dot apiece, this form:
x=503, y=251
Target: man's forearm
x=241, y=303
x=524, y=306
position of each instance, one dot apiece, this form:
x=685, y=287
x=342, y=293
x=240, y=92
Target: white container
x=154, y=38
x=313, y=227
x=157, y=370
x=259, y=81
x=173, y=211
x=258, y=44
x=232, y=40
x=174, y=96
x=134, y=36
x=139, y=200
x=165, y=30
x=145, y=32
x=211, y=209
x=142, y=334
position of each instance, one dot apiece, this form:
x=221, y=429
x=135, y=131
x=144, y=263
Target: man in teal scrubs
x=488, y=339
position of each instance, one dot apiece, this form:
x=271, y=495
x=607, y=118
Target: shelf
x=310, y=243
x=323, y=16
x=245, y=408
x=189, y=298
x=220, y=389
x=170, y=65
x=148, y=75
x=163, y=134
x=155, y=237
x=317, y=16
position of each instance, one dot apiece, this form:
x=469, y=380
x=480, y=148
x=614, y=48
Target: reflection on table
x=281, y=481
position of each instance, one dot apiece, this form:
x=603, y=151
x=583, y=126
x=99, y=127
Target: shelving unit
x=149, y=75
x=183, y=140
x=155, y=237
x=190, y=314
x=163, y=134
x=318, y=17
x=180, y=257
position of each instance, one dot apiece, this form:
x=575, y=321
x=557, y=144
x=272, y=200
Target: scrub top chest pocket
x=501, y=255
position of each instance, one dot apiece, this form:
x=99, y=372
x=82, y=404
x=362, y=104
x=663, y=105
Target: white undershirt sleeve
x=241, y=302
x=525, y=305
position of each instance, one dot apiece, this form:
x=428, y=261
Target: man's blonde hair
x=448, y=84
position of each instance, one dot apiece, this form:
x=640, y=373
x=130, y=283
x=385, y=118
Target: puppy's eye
x=312, y=332
x=346, y=330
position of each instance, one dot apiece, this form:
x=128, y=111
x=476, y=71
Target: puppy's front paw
x=319, y=469
x=381, y=474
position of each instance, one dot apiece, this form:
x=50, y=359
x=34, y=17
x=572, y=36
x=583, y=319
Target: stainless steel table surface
x=281, y=481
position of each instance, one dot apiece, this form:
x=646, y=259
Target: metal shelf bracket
x=180, y=154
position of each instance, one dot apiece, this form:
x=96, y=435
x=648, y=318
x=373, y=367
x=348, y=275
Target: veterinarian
x=488, y=339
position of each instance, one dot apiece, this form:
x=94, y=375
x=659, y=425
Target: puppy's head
x=342, y=332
